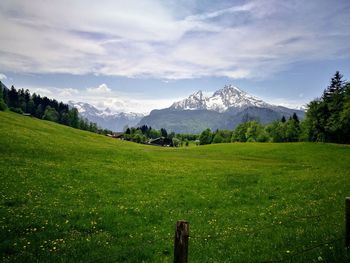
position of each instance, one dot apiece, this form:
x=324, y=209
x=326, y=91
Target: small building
x=116, y=135
x=161, y=141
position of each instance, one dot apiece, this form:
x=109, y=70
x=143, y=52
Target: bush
x=17, y=110
x=3, y=105
x=50, y=114
x=218, y=138
x=205, y=137
x=176, y=142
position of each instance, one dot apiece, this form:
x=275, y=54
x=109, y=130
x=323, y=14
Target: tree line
x=22, y=101
x=252, y=131
x=327, y=120
x=145, y=134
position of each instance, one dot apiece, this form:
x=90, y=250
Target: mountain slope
x=106, y=119
x=183, y=121
x=225, y=109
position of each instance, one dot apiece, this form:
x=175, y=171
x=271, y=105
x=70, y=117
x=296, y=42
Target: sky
x=142, y=55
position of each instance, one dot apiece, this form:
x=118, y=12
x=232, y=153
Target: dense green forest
x=21, y=101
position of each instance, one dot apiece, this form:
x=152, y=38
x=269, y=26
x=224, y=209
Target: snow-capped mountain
x=225, y=109
x=115, y=121
x=222, y=100
x=196, y=101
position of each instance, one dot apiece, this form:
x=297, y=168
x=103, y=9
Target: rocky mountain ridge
x=115, y=121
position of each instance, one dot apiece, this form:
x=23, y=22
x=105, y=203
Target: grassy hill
x=70, y=195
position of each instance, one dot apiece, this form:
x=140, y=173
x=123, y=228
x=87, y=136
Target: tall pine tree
x=323, y=117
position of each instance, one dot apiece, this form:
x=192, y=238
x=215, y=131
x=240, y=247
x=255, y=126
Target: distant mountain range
x=225, y=109
x=106, y=118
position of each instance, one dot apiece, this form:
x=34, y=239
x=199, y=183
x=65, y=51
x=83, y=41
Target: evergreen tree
x=295, y=117
x=37, y=100
x=13, y=97
x=345, y=115
x=21, y=100
x=5, y=95
x=3, y=105
x=83, y=124
x=335, y=88
x=93, y=127
x=62, y=107
x=26, y=96
x=30, y=107
x=163, y=132
x=39, y=112
x=64, y=118
x=73, y=119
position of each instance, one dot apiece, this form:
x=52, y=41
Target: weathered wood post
x=347, y=222
x=181, y=241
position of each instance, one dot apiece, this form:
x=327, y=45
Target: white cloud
x=64, y=94
x=149, y=39
x=124, y=104
x=289, y=103
x=43, y=91
x=2, y=76
x=117, y=102
x=67, y=92
x=106, y=99
x=100, y=90
x=210, y=15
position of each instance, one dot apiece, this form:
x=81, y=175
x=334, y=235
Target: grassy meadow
x=74, y=196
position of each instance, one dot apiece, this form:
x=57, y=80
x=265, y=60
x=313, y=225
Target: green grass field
x=74, y=196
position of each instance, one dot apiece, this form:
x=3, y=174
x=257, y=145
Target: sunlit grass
x=70, y=195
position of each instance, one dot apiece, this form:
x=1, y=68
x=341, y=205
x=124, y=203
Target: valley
x=94, y=198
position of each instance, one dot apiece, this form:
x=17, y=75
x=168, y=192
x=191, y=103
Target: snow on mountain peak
x=228, y=97
x=229, y=89
x=198, y=94
x=107, y=118
x=196, y=101
x=87, y=109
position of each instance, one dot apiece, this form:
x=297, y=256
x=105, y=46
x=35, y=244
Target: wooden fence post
x=181, y=241
x=347, y=222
